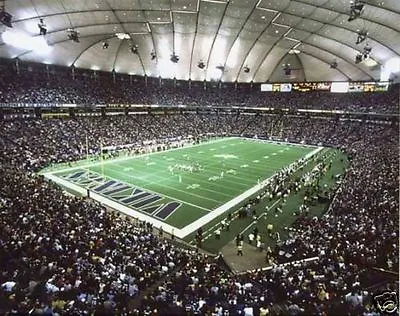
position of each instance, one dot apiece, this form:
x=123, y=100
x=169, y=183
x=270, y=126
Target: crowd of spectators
x=58, y=87
x=358, y=234
x=35, y=143
x=62, y=254
x=67, y=255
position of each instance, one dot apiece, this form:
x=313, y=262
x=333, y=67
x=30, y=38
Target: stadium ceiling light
x=134, y=49
x=294, y=52
x=24, y=41
x=359, y=58
x=356, y=8
x=370, y=62
x=42, y=27
x=122, y=36
x=5, y=17
x=201, y=64
x=287, y=69
x=333, y=64
x=73, y=35
x=361, y=36
x=174, y=58
x=367, y=51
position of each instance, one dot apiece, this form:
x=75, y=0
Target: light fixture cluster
x=73, y=35
x=134, y=49
x=287, y=70
x=361, y=36
x=174, y=58
x=201, y=64
x=5, y=17
x=364, y=55
x=123, y=36
x=42, y=27
x=333, y=64
x=356, y=8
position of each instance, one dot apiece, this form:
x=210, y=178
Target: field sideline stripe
x=165, y=186
x=253, y=167
x=158, y=193
x=208, y=166
x=116, y=205
x=204, y=171
x=227, y=206
x=134, y=157
x=195, y=179
x=211, y=229
x=200, y=221
x=162, y=179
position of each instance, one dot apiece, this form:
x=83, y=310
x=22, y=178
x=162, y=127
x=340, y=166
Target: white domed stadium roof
x=236, y=40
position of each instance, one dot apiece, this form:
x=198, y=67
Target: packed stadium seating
x=61, y=254
x=35, y=85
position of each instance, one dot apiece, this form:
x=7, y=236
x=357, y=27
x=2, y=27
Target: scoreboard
x=312, y=86
x=339, y=87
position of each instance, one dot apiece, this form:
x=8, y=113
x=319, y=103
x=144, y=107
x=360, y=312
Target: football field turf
x=184, y=187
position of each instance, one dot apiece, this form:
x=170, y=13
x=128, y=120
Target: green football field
x=186, y=187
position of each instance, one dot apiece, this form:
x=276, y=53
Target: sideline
x=107, y=161
x=180, y=233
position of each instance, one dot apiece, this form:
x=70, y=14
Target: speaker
x=5, y=18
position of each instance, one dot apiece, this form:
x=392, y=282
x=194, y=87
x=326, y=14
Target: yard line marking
x=278, y=142
x=189, y=176
x=151, y=191
x=205, y=172
x=165, y=186
x=181, y=233
x=115, y=205
x=104, y=162
x=234, y=202
x=214, y=166
x=235, y=215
